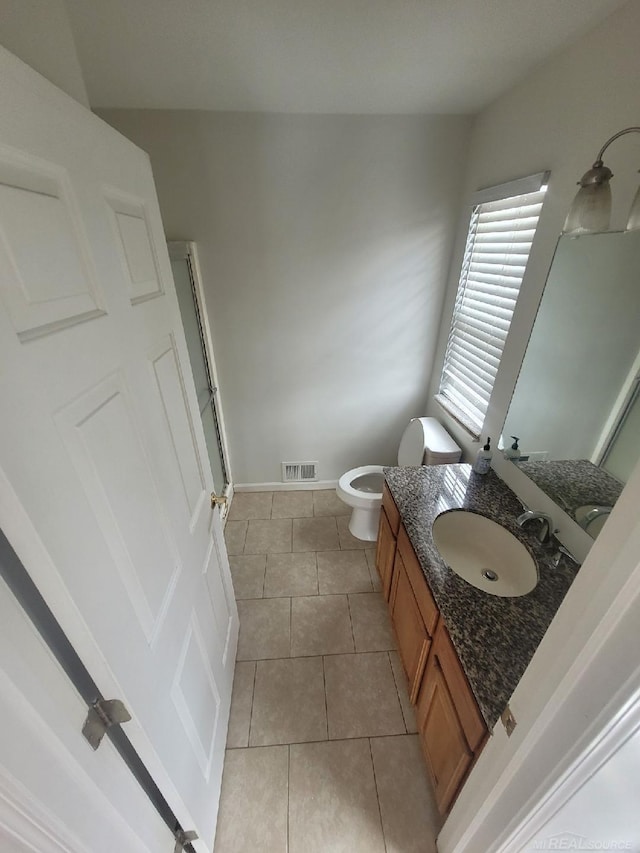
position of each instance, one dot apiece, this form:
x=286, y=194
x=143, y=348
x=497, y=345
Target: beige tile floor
x=322, y=755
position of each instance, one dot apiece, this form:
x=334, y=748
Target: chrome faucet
x=546, y=529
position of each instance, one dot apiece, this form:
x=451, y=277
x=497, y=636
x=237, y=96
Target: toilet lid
x=424, y=434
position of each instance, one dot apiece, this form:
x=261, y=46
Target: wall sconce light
x=591, y=208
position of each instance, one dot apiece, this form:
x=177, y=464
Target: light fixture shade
x=634, y=214
x=590, y=211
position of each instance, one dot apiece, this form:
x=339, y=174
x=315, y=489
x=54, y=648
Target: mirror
x=576, y=405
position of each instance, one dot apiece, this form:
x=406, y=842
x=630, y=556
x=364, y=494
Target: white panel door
x=56, y=794
x=101, y=440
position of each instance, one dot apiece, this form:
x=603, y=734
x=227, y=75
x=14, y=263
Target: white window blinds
x=500, y=235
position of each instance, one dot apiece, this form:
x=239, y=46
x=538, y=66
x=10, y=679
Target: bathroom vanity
x=463, y=650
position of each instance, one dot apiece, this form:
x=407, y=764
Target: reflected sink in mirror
x=591, y=517
x=576, y=405
x=583, y=490
x=484, y=554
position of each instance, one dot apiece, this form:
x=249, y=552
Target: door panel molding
x=134, y=238
x=27, y=825
x=169, y=378
x=138, y=538
x=202, y=745
x=221, y=597
x=44, y=297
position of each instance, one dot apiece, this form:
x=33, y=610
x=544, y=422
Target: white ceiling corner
x=318, y=56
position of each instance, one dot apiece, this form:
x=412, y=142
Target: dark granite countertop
x=495, y=638
x=572, y=483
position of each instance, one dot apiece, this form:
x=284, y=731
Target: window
x=503, y=224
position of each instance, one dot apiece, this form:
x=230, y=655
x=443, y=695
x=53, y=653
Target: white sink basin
x=484, y=554
x=595, y=525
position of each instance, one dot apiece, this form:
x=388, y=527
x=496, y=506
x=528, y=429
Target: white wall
x=324, y=243
x=39, y=33
x=557, y=119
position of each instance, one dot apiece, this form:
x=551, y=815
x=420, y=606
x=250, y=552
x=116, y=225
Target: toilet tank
x=426, y=442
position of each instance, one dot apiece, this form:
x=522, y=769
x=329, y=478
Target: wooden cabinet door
x=443, y=742
x=385, y=554
x=426, y=604
x=411, y=634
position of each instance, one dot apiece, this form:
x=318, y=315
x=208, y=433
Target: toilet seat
x=424, y=442
x=354, y=496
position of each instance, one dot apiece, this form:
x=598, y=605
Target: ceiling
x=318, y=56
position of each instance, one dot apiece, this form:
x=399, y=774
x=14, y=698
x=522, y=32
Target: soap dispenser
x=513, y=452
x=483, y=459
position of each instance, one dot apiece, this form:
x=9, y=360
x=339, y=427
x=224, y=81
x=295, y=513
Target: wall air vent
x=299, y=472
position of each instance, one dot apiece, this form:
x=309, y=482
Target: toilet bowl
x=424, y=442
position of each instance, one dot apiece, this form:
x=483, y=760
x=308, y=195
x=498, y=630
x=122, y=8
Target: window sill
x=459, y=416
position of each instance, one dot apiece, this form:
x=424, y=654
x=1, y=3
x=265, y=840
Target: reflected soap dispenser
x=513, y=452
x=483, y=459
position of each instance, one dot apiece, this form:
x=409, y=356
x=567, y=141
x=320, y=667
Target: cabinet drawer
x=446, y=659
x=389, y=506
x=424, y=599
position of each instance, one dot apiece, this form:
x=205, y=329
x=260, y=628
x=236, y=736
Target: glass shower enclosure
x=191, y=302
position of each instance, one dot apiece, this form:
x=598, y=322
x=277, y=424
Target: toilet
x=424, y=442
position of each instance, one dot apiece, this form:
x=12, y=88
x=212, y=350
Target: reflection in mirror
x=576, y=405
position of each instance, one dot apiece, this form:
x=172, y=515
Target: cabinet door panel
x=411, y=634
x=443, y=742
x=385, y=553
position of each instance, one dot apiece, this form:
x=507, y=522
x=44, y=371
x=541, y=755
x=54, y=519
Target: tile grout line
x=305, y=595
x=374, y=577
x=353, y=636
x=395, y=681
x=326, y=706
x=344, y=738
x=253, y=696
x=375, y=783
x=320, y=654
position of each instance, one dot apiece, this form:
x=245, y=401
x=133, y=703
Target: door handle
x=218, y=500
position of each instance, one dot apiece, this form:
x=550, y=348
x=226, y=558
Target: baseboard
x=229, y=492
x=316, y=485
